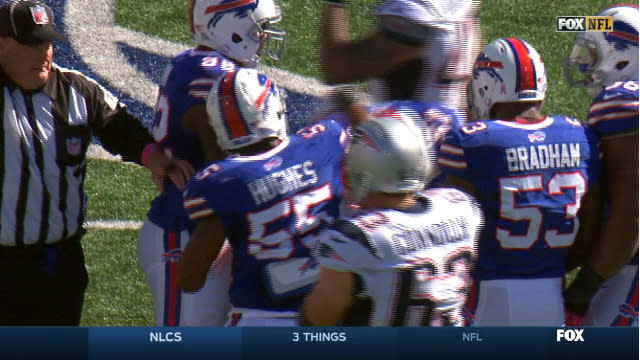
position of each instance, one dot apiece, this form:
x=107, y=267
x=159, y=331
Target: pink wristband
x=150, y=149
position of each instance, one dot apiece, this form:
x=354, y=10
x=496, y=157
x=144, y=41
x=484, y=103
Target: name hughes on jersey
x=543, y=156
x=281, y=182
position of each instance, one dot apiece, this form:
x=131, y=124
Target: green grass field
x=118, y=295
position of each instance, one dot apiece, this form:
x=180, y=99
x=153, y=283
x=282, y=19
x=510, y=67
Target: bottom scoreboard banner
x=124, y=343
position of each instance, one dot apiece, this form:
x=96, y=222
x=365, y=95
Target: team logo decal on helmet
x=507, y=70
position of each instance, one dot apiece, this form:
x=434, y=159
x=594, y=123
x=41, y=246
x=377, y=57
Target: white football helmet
x=239, y=29
x=246, y=107
x=387, y=155
x=600, y=59
x=507, y=70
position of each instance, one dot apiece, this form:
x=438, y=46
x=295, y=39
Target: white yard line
x=113, y=225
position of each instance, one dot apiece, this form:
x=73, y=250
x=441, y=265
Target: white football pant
x=158, y=254
x=616, y=302
x=515, y=302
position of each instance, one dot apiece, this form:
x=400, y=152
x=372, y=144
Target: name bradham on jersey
x=448, y=32
x=273, y=205
x=413, y=265
x=186, y=82
x=530, y=179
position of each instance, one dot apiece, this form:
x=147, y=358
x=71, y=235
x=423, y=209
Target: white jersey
x=448, y=31
x=413, y=265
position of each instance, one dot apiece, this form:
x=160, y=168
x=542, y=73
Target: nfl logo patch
x=39, y=14
x=74, y=146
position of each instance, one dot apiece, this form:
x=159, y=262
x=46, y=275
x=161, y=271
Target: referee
x=48, y=116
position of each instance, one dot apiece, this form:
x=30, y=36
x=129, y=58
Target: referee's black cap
x=28, y=22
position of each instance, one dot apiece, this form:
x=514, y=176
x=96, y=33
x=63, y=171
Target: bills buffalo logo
x=627, y=311
x=485, y=64
x=239, y=7
x=74, y=146
x=537, y=136
x=39, y=14
x=273, y=163
x=623, y=36
x=172, y=255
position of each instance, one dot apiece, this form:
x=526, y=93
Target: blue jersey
x=186, y=83
x=530, y=178
x=273, y=206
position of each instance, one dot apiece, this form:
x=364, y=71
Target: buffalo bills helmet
x=239, y=29
x=246, y=107
x=507, y=70
x=600, y=59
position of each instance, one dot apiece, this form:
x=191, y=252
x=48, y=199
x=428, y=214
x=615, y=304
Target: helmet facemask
x=600, y=59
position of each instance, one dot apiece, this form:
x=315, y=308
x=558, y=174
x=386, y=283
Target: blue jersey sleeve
x=333, y=130
x=211, y=192
x=451, y=155
x=614, y=112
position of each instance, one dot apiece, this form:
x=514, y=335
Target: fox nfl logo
x=584, y=23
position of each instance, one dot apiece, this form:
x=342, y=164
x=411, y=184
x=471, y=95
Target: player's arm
x=345, y=61
x=195, y=119
x=619, y=236
x=201, y=251
x=329, y=300
x=618, y=239
x=591, y=217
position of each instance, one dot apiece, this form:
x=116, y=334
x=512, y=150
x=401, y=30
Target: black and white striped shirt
x=43, y=141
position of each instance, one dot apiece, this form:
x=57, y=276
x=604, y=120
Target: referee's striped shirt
x=43, y=141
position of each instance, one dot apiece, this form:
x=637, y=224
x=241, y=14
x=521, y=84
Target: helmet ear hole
x=236, y=38
x=621, y=65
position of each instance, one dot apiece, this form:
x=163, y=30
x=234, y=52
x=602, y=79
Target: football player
x=529, y=172
x=269, y=199
x=230, y=35
x=407, y=252
x=608, y=63
x=421, y=50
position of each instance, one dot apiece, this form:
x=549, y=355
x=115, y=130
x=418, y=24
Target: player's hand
x=177, y=170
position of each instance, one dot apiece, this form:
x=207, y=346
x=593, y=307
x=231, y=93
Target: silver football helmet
x=239, y=29
x=387, y=155
x=600, y=59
